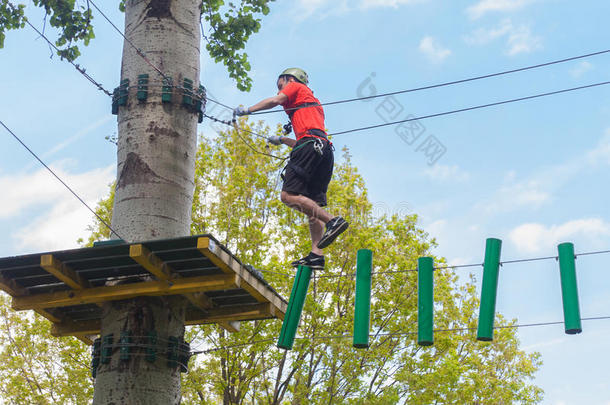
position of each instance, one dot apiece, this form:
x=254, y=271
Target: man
x=311, y=161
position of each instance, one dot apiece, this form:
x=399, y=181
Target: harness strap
x=301, y=145
x=299, y=106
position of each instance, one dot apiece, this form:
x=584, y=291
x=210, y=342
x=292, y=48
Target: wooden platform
x=67, y=287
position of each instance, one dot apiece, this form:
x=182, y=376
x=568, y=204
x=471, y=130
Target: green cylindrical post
x=425, y=301
x=569, y=289
x=489, y=290
x=295, y=307
x=362, y=304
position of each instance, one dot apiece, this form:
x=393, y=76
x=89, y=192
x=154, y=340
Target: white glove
x=239, y=111
x=275, y=140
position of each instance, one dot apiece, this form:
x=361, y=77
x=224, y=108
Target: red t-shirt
x=303, y=118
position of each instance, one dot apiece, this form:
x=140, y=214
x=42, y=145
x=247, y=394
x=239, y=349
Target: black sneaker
x=334, y=228
x=312, y=260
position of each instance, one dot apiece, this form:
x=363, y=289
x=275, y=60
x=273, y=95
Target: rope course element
x=60, y=180
x=233, y=124
x=193, y=92
x=223, y=105
x=458, y=266
x=81, y=70
x=433, y=86
x=392, y=334
x=477, y=107
x=514, y=100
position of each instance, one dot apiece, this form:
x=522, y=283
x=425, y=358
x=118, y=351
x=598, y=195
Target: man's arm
x=268, y=103
x=288, y=141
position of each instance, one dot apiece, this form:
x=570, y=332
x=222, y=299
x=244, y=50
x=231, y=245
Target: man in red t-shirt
x=311, y=161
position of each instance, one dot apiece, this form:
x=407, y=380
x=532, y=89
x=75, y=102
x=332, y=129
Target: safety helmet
x=297, y=73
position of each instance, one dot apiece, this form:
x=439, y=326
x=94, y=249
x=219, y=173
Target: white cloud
x=436, y=228
x=322, y=8
x=447, y=173
x=529, y=194
x=387, y=3
x=485, y=6
x=580, y=69
x=535, y=191
x=40, y=187
x=536, y=238
x=433, y=50
x=519, y=39
x=62, y=218
x=600, y=155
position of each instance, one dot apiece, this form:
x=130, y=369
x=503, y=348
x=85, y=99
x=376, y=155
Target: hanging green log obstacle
x=362, y=303
x=425, y=297
x=425, y=301
x=569, y=289
x=295, y=307
x=489, y=290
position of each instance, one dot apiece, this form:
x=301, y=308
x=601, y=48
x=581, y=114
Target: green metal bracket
x=362, y=303
x=184, y=356
x=425, y=301
x=115, y=101
x=200, y=103
x=111, y=242
x=187, y=95
x=489, y=290
x=295, y=307
x=125, y=345
x=95, y=352
x=172, y=351
x=151, y=346
x=142, y=93
x=166, y=90
x=106, y=349
x=123, y=92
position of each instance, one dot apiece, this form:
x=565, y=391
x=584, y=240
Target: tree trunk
x=154, y=191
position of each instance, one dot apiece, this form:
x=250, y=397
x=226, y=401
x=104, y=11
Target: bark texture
x=155, y=183
x=157, y=141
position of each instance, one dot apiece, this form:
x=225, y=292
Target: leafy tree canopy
x=229, y=28
x=236, y=199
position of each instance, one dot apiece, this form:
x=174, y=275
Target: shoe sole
x=331, y=237
x=315, y=266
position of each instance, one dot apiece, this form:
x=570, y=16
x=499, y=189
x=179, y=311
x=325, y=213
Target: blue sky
x=533, y=174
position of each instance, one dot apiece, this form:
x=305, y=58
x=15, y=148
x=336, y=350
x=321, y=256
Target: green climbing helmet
x=297, y=73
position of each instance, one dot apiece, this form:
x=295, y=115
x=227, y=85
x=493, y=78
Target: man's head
x=291, y=75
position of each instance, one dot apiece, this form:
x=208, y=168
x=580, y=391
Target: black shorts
x=308, y=172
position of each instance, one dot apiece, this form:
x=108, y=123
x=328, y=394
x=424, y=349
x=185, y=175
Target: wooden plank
x=233, y=313
x=230, y=326
x=199, y=300
x=150, y=262
x=85, y=339
x=209, y=249
x=124, y=291
x=229, y=315
x=48, y=315
x=67, y=328
x=244, y=279
x=63, y=272
x=202, y=302
x=11, y=287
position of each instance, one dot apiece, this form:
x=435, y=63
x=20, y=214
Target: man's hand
x=275, y=140
x=239, y=111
